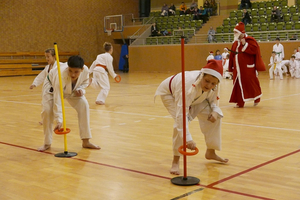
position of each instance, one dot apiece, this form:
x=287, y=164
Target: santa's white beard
x=236, y=36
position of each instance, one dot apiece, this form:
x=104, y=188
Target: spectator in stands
x=182, y=9
x=164, y=10
x=293, y=37
x=203, y=14
x=211, y=35
x=218, y=55
x=210, y=56
x=172, y=9
x=196, y=14
x=206, y=5
x=245, y=60
x=245, y=4
x=275, y=17
x=154, y=30
x=193, y=5
x=246, y=17
x=213, y=6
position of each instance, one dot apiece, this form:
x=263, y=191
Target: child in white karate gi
x=41, y=77
x=294, y=67
x=210, y=56
x=275, y=66
x=226, y=73
x=201, y=101
x=75, y=78
x=100, y=78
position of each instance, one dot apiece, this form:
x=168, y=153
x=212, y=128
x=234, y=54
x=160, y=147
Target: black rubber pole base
x=66, y=154
x=185, y=181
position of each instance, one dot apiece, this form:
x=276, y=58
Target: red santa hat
x=240, y=27
x=214, y=68
x=211, y=52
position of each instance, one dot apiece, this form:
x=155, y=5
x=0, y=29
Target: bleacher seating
x=261, y=26
x=26, y=63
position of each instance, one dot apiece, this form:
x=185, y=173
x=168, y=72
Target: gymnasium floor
x=262, y=145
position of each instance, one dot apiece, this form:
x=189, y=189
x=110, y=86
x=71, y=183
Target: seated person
x=172, y=9
x=207, y=6
x=245, y=4
x=154, y=30
x=164, y=10
x=203, y=14
x=182, y=9
x=211, y=35
x=246, y=17
x=275, y=17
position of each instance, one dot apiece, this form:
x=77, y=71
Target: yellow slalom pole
x=61, y=96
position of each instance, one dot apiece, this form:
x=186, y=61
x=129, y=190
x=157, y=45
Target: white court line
x=267, y=127
x=168, y=116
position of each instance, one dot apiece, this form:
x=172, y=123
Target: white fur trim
x=245, y=47
x=213, y=73
x=237, y=31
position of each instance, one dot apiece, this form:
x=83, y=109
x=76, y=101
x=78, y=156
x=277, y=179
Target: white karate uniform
x=210, y=57
x=284, y=65
x=40, y=78
x=294, y=68
x=226, y=73
x=297, y=57
x=196, y=106
x=279, y=50
x=52, y=110
x=275, y=68
x=100, y=77
x=224, y=56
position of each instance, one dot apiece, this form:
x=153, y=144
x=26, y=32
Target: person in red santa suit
x=244, y=62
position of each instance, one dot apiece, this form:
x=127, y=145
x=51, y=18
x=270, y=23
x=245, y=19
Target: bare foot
x=86, y=144
x=41, y=123
x=100, y=103
x=44, y=147
x=175, y=166
x=211, y=155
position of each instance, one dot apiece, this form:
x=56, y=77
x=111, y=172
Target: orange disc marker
x=118, y=78
x=180, y=149
x=62, y=132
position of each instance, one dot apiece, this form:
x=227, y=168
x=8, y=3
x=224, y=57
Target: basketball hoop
x=109, y=31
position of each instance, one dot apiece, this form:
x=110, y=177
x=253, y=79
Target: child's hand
x=32, y=86
x=191, y=145
x=212, y=117
x=78, y=93
x=58, y=126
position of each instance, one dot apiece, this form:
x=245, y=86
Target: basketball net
x=109, y=31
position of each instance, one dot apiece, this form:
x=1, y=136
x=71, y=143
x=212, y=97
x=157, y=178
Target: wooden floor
x=262, y=145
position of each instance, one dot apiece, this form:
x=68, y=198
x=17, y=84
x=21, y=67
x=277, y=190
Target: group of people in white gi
x=278, y=66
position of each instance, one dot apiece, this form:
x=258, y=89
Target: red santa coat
x=244, y=61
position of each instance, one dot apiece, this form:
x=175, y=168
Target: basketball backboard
x=113, y=23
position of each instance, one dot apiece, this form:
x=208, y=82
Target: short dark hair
x=76, y=62
x=293, y=56
x=278, y=39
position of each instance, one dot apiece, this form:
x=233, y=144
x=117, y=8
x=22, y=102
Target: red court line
x=210, y=186
x=251, y=169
